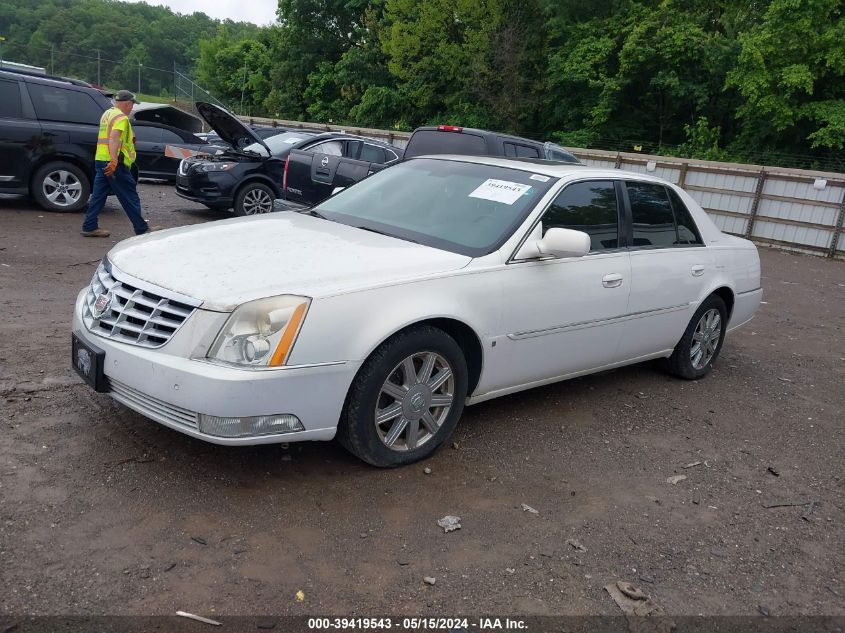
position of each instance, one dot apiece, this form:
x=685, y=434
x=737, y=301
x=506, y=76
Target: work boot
x=151, y=228
x=96, y=233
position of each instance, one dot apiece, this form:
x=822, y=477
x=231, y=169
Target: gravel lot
x=104, y=512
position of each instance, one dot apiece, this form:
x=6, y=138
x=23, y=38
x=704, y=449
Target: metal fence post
x=761, y=180
x=618, y=164
x=834, y=241
x=682, y=177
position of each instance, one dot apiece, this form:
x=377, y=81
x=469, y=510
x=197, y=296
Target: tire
x=254, y=198
x=392, y=442
x=702, y=341
x=60, y=186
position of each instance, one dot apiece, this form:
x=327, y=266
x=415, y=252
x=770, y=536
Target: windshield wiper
x=372, y=230
x=314, y=213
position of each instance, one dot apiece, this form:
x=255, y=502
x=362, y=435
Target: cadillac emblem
x=101, y=305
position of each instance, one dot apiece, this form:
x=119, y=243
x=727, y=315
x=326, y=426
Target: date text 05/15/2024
x=458, y=624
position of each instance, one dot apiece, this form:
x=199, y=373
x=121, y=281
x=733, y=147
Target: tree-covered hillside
x=66, y=36
x=749, y=80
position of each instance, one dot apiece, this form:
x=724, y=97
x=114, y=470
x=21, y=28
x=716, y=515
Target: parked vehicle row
x=377, y=315
x=312, y=176
x=48, y=137
x=249, y=175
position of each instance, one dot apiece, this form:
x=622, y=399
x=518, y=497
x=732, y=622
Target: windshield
x=280, y=144
x=465, y=208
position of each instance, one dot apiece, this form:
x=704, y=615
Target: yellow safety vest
x=107, y=121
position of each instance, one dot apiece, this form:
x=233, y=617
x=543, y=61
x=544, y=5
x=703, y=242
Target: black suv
x=48, y=137
x=250, y=175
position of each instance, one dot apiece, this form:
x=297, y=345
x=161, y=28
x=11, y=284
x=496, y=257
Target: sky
x=261, y=12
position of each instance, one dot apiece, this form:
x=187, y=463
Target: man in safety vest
x=113, y=162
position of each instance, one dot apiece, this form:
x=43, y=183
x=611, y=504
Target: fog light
x=251, y=426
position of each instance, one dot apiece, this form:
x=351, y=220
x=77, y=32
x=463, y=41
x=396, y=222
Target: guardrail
x=794, y=209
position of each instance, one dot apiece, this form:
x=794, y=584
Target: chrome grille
x=152, y=407
x=134, y=315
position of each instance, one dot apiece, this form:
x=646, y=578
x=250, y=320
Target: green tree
x=790, y=72
x=439, y=52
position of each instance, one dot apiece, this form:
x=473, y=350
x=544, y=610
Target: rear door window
x=687, y=231
x=651, y=214
x=372, y=153
x=147, y=134
x=169, y=136
x=10, y=100
x=61, y=104
x=590, y=207
x=521, y=151
x=442, y=142
x=332, y=148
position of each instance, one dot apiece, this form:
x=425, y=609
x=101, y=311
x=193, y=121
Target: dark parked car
x=310, y=178
x=261, y=131
x=249, y=175
x=151, y=139
x=452, y=139
x=48, y=136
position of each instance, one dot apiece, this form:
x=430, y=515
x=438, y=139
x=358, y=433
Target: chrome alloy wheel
x=705, y=339
x=414, y=401
x=62, y=188
x=257, y=201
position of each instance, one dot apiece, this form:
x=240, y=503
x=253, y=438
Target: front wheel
x=61, y=186
x=406, y=399
x=253, y=199
x=702, y=341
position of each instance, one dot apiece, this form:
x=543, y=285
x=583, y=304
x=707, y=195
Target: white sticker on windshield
x=291, y=141
x=500, y=191
x=539, y=177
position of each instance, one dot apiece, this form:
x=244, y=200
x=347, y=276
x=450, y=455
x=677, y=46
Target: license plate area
x=88, y=361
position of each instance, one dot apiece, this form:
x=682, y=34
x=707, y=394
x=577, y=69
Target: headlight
x=215, y=166
x=260, y=333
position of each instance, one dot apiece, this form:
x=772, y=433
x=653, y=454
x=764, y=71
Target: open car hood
x=229, y=128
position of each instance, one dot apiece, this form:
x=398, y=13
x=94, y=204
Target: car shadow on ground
x=504, y=418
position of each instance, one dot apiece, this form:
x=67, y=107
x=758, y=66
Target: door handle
x=697, y=270
x=613, y=280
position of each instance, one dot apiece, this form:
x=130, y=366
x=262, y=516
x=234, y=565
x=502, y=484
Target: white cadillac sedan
x=434, y=284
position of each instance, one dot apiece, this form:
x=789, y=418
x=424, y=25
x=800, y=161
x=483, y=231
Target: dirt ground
x=105, y=512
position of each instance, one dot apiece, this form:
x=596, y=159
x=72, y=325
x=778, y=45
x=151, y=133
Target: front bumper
x=212, y=188
x=174, y=390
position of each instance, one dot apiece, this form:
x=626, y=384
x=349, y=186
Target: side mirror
x=564, y=243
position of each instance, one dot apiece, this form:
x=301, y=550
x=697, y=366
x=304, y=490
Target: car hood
x=228, y=128
x=229, y=262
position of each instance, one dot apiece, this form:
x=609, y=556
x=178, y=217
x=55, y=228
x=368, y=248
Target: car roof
x=350, y=137
x=555, y=169
x=32, y=77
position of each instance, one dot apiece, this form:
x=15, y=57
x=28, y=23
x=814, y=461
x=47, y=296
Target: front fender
x=350, y=326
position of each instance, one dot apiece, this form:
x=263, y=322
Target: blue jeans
x=123, y=185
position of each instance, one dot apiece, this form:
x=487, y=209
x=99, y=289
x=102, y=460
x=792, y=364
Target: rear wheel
x=702, y=341
x=254, y=198
x=60, y=186
x=406, y=399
